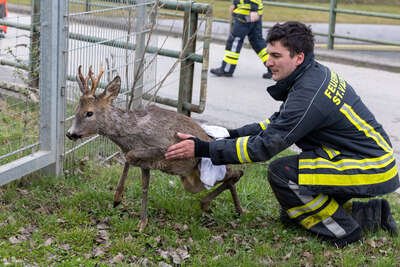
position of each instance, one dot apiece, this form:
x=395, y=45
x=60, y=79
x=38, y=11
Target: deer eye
x=89, y=114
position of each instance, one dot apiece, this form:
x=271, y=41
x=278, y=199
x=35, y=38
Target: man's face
x=280, y=62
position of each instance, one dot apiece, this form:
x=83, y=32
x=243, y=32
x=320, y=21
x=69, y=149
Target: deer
x=143, y=135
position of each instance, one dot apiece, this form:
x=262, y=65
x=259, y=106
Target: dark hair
x=293, y=35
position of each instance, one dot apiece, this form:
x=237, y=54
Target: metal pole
x=187, y=65
x=53, y=44
x=34, y=51
x=87, y=6
x=139, y=53
x=332, y=23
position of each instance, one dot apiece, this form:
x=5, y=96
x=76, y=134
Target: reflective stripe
x=347, y=179
x=324, y=214
x=334, y=227
x=264, y=124
x=263, y=55
x=241, y=149
x=257, y=2
x=347, y=164
x=362, y=125
x=235, y=44
x=315, y=204
x=231, y=54
x=230, y=61
x=331, y=152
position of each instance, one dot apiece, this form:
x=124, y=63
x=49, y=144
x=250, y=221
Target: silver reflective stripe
x=233, y=49
x=334, y=227
x=295, y=188
x=309, y=206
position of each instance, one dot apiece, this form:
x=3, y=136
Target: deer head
x=92, y=107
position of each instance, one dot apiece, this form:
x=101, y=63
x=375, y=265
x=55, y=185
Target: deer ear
x=112, y=89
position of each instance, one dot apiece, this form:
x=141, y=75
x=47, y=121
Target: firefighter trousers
x=241, y=29
x=320, y=214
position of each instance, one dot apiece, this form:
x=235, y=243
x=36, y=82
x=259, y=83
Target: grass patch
x=279, y=14
x=70, y=221
x=19, y=126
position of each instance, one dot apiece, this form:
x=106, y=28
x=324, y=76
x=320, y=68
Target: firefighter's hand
x=254, y=16
x=231, y=8
x=182, y=150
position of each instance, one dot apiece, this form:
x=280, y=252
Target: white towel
x=209, y=173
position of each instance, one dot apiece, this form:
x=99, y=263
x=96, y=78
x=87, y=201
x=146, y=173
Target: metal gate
x=120, y=36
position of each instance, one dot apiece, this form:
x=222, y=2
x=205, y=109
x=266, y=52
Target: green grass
x=70, y=221
x=278, y=14
x=19, y=126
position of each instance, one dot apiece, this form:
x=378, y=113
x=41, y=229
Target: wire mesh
x=19, y=92
x=104, y=35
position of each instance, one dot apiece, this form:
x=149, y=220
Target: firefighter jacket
x=344, y=148
x=244, y=7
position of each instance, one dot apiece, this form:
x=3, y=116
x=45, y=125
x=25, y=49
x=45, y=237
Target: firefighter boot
x=268, y=74
x=374, y=214
x=387, y=221
x=220, y=72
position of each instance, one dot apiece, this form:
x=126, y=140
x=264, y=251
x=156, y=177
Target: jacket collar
x=280, y=90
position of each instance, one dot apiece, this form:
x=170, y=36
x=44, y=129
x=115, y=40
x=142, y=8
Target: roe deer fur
x=143, y=137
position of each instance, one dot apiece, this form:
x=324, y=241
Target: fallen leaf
x=16, y=239
x=98, y=251
x=287, y=256
x=118, y=258
x=48, y=242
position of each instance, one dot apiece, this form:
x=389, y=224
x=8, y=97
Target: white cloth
x=209, y=173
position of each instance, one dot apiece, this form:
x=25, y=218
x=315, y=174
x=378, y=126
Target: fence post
x=87, y=6
x=139, y=53
x=332, y=23
x=34, y=52
x=53, y=46
x=187, y=65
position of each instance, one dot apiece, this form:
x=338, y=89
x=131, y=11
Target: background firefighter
x=3, y=14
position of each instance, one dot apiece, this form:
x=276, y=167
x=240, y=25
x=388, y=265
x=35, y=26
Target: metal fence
x=43, y=50
x=105, y=36
x=31, y=120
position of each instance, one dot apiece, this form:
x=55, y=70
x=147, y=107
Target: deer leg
x=145, y=187
x=121, y=184
x=205, y=201
x=228, y=183
x=235, y=198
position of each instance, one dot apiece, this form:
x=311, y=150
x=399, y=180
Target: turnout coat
x=344, y=148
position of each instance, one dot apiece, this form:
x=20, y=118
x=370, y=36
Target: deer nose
x=72, y=136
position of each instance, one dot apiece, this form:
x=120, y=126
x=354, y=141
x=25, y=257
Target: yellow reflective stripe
x=231, y=54
x=230, y=60
x=363, y=126
x=347, y=164
x=324, y=214
x=347, y=179
x=257, y=2
x=331, y=152
x=263, y=55
x=241, y=149
x=314, y=204
x=242, y=10
x=263, y=124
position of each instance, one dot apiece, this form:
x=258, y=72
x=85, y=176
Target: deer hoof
x=116, y=203
x=205, y=206
x=142, y=225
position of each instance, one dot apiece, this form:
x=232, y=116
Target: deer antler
x=83, y=82
x=95, y=81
